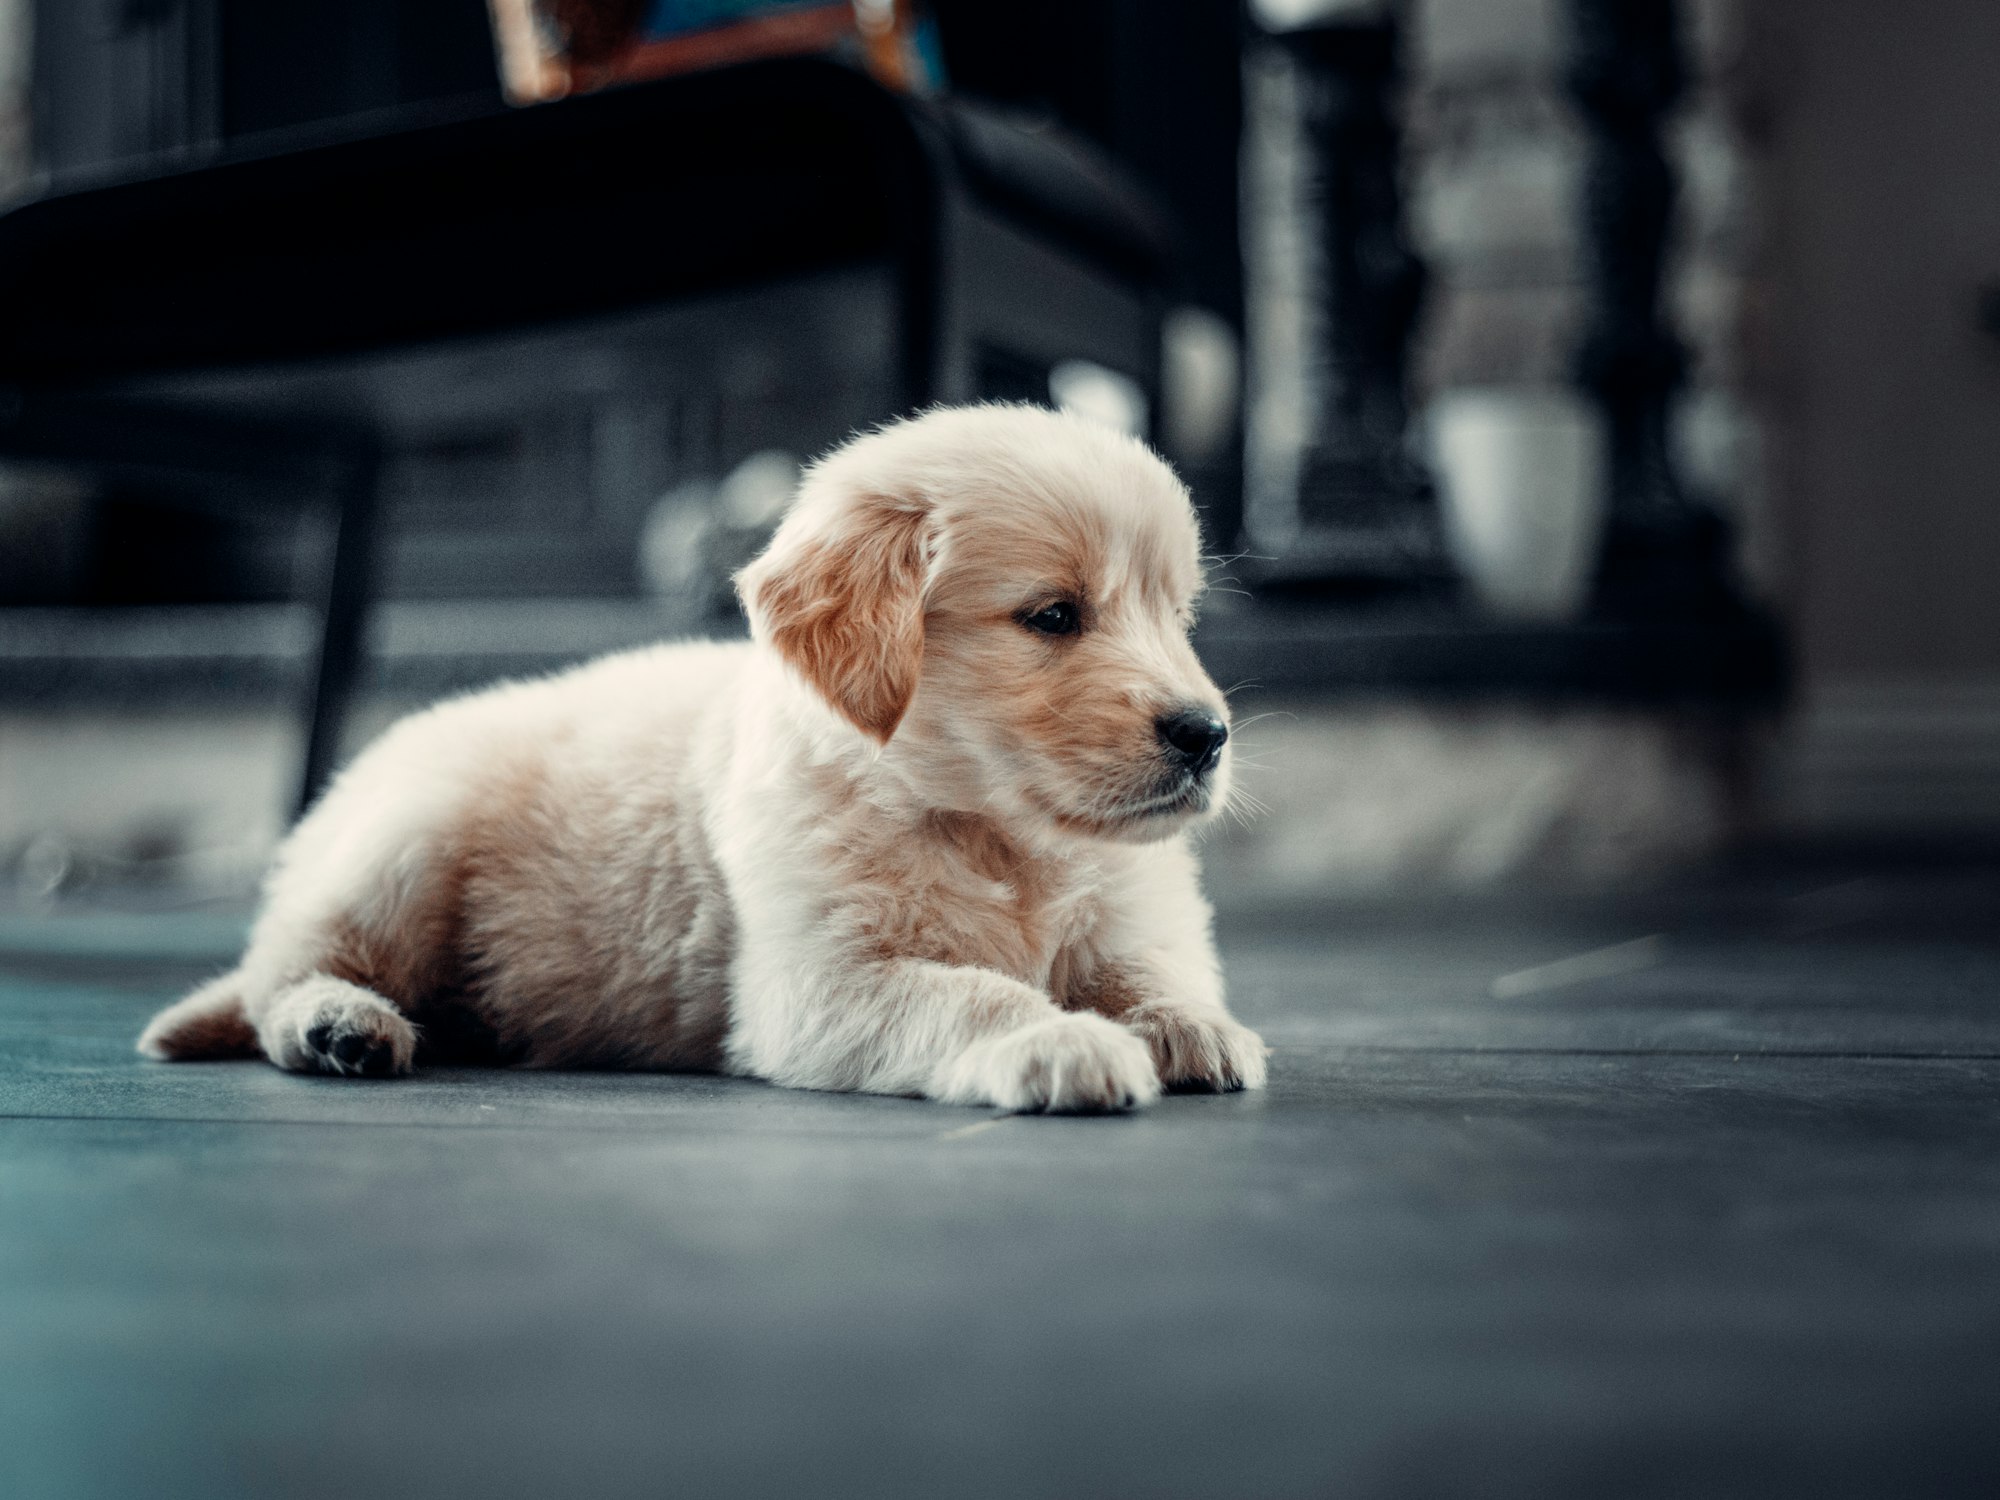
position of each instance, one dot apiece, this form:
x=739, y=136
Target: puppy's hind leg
x=320, y=1024
x=209, y=1023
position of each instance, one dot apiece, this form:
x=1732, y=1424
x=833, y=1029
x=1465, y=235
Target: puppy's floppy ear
x=839, y=594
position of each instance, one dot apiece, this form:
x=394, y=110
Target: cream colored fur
x=900, y=842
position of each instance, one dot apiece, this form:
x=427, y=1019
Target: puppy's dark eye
x=1060, y=618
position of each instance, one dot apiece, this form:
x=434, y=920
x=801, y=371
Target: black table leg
x=349, y=582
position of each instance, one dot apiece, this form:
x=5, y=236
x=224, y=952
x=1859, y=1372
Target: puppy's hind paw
x=330, y=1026
x=1200, y=1049
x=1070, y=1064
x=344, y=1046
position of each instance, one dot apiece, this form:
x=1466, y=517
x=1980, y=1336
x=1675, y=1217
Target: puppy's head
x=1000, y=597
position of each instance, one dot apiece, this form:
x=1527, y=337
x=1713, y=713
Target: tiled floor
x=1696, y=1196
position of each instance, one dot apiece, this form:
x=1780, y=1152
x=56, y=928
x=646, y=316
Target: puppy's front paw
x=1073, y=1064
x=1200, y=1048
x=335, y=1027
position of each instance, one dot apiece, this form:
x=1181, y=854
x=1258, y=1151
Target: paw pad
x=339, y=1046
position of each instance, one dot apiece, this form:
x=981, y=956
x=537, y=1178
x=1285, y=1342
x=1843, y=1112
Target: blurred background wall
x=1884, y=205
x=1834, y=270
x=16, y=67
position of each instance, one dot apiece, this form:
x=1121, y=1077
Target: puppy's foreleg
x=957, y=1034
x=1199, y=1046
x=1155, y=971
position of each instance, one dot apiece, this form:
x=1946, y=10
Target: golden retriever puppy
x=924, y=834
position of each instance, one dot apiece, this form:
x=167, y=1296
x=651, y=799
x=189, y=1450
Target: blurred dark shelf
x=1734, y=659
x=258, y=652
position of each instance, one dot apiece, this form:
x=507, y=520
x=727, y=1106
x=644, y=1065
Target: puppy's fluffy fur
x=922, y=835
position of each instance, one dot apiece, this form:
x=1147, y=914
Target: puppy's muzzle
x=1193, y=737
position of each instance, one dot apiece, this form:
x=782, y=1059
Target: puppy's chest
x=963, y=895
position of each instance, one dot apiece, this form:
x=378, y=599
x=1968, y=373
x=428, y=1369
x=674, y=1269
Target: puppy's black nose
x=1195, y=734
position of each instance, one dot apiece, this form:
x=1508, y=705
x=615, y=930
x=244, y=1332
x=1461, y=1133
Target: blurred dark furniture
x=1360, y=597
x=207, y=321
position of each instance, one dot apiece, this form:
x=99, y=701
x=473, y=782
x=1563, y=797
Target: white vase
x=1521, y=473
